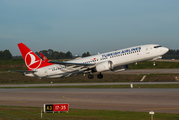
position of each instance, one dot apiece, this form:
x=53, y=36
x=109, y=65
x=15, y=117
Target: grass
x=149, y=65
x=11, y=113
x=12, y=65
x=18, y=78
x=11, y=62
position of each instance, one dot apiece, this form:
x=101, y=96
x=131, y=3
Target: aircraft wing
x=73, y=64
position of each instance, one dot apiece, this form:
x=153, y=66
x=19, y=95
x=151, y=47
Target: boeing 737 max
x=115, y=61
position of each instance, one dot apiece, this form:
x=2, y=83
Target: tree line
x=171, y=54
x=51, y=54
x=5, y=55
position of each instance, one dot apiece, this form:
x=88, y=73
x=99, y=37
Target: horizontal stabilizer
x=21, y=71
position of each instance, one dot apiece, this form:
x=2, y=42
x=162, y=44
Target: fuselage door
x=147, y=50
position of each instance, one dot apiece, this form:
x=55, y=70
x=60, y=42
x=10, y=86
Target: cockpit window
x=157, y=46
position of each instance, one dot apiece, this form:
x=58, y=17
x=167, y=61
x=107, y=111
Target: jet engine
x=104, y=66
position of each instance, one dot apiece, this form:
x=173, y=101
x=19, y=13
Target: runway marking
x=160, y=108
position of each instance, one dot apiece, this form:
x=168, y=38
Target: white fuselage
x=119, y=58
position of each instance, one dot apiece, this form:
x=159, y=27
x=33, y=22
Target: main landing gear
x=99, y=76
x=90, y=76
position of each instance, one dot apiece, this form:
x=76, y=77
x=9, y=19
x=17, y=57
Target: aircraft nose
x=165, y=50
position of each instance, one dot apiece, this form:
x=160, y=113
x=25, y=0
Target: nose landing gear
x=154, y=64
x=90, y=76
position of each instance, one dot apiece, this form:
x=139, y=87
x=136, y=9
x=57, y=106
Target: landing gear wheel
x=100, y=76
x=90, y=76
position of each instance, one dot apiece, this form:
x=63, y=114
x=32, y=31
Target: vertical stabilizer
x=32, y=61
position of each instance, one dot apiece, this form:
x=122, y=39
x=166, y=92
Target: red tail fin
x=32, y=61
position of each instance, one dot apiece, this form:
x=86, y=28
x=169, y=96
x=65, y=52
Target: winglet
x=43, y=57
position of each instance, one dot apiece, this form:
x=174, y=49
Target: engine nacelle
x=104, y=66
x=120, y=68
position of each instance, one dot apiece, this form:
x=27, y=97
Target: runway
x=84, y=84
x=145, y=100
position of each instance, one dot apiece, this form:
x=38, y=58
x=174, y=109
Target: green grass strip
x=84, y=114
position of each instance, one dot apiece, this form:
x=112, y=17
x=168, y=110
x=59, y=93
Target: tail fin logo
x=31, y=61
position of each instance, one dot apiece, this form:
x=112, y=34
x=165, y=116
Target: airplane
x=115, y=61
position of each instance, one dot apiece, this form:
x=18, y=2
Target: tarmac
x=128, y=99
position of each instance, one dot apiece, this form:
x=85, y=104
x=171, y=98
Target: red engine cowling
x=104, y=66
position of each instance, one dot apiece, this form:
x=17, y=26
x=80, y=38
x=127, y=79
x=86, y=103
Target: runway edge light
x=56, y=107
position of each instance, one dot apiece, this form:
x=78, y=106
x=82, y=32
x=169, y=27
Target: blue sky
x=88, y=25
